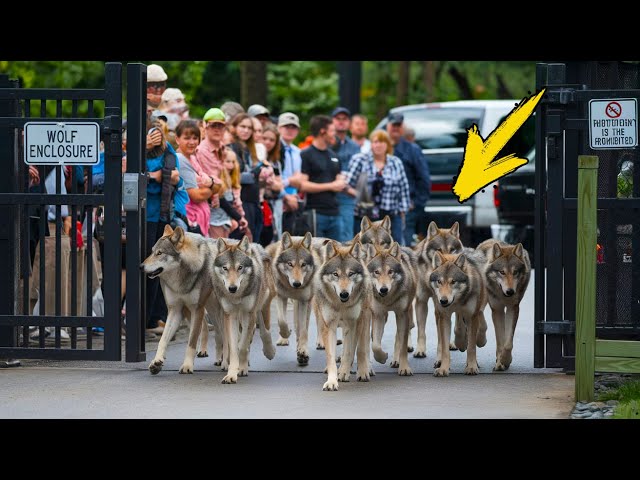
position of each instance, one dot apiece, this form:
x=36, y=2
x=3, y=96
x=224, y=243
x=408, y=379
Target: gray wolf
x=294, y=263
x=459, y=287
x=394, y=283
x=342, y=297
x=183, y=262
x=507, y=273
x=243, y=283
x=443, y=240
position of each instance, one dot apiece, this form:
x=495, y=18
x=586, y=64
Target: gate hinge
x=112, y=124
x=563, y=96
x=556, y=328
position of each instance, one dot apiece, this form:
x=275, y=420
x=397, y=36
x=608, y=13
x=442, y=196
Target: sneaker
x=157, y=330
x=99, y=331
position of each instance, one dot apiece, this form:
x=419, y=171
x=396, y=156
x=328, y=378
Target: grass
x=628, y=394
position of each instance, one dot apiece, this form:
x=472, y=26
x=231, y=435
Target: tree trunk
x=253, y=83
x=429, y=80
x=462, y=82
x=503, y=90
x=402, y=89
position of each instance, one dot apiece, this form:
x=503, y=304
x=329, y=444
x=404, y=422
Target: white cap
x=155, y=73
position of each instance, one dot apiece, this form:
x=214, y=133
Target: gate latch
x=132, y=185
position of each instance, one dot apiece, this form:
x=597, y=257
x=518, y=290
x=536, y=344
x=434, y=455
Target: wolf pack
x=352, y=285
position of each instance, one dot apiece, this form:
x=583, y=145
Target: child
x=227, y=217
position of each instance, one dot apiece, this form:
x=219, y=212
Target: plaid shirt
x=395, y=192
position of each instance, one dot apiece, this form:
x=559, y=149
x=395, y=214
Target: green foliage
x=627, y=410
x=626, y=392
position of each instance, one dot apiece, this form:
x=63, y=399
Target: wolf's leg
x=481, y=340
x=378, y=320
x=511, y=319
x=302, y=331
x=281, y=308
x=173, y=321
x=460, y=334
x=248, y=328
x=348, y=351
x=197, y=316
x=204, y=339
x=422, y=310
x=444, y=334
x=403, y=321
x=268, y=349
x=363, y=331
x=319, y=338
x=412, y=324
x=329, y=338
x=497, y=315
x=472, y=332
x=231, y=322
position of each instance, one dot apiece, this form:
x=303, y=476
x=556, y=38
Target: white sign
x=613, y=123
x=61, y=143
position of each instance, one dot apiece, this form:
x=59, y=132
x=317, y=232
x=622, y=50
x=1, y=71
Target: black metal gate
x=63, y=266
x=561, y=135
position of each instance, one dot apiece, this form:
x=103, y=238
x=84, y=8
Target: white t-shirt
x=261, y=152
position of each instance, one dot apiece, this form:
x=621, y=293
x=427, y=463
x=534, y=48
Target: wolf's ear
x=167, y=230
x=286, y=240
x=386, y=223
x=432, y=231
x=497, y=251
x=245, y=244
x=178, y=237
x=370, y=251
x=438, y=259
x=306, y=241
x=460, y=260
x=518, y=250
x=331, y=249
x=221, y=244
x=365, y=224
x=357, y=251
x=394, y=251
x=455, y=230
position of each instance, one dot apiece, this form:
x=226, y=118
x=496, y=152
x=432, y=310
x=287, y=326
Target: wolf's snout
x=509, y=292
x=142, y=266
x=344, y=296
x=297, y=284
x=384, y=291
x=233, y=288
x=444, y=301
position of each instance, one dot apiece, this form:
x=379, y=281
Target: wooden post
x=586, y=276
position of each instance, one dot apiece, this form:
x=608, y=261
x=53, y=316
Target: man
x=322, y=178
x=289, y=127
x=359, y=130
x=410, y=134
x=417, y=171
x=156, y=85
x=259, y=112
x=231, y=109
x=345, y=148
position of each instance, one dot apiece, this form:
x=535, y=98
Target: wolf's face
x=507, y=268
x=165, y=254
x=295, y=262
x=343, y=271
x=386, y=270
x=234, y=265
x=448, y=279
x=443, y=240
x=376, y=233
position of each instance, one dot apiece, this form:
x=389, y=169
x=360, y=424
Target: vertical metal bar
x=58, y=265
x=113, y=197
x=43, y=107
x=42, y=294
x=539, y=219
x=136, y=234
x=74, y=253
x=26, y=265
x=88, y=211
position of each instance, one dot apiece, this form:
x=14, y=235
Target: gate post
x=586, y=276
x=9, y=226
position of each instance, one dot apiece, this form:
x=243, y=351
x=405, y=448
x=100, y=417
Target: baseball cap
x=158, y=114
x=339, y=110
x=155, y=73
x=255, y=110
x=214, y=115
x=395, y=118
x=288, y=118
x=173, y=100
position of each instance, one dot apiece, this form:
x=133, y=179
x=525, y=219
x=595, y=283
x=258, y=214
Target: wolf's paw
x=471, y=370
x=224, y=366
x=372, y=372
x=394, y=364
x=420, y=354
x=339, y=359
x=186, y=368
x=155, y=367
x=282, y=342
x=343, y=376
x=405, y=372
x=363, y=375
x=303, y=358
x=499, y=367
x=453, y=347
x=285, y=332
x=202, y=354
x=243, y=371
x=380, y=356
x=330, y=386
x=437, y=363
x=269, y=351
x=441, y=372
x=506, y=358
x=339, y=341
x=319, y=346
x=410, y=348
x=230, y=378
x=481, y=339
x=217, y=363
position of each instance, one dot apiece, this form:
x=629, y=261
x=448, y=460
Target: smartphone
x=276, y=171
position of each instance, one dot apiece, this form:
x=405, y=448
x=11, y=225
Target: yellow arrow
x=479, y=167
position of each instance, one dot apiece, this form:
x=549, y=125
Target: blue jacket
x=416, y=168
x=154, y=189
x=345, y=151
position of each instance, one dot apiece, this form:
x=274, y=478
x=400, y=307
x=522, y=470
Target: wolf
x=458, y=285
x=394, y=283
x=443, y=240
x=183, y=262
x=243, y=283
x=507, y=272
x=342, y=296
x=294, y=263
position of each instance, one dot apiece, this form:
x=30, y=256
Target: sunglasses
x=215, y=125
x=156, y=85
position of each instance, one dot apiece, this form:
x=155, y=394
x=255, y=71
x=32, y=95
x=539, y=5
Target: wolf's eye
x=158, y=253
x=391, y=272
x=240, y=268
x=501, y=272
x=351, y=274
x=377, y=272
x=453, y=282
x=335, y=274
x=452, y=250
x=439, y=282
x=225, y=269
x=302, y=265
x=290, y=264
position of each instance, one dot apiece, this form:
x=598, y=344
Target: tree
x=402, y=91
x=253, y=83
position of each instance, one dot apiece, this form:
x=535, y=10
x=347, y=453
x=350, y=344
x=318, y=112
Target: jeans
x=411, y=219
x=328, y=226
x=156, y=308
x=396, y=227
x=347, y=205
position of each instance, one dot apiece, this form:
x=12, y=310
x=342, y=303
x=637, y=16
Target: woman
x=261, y=151
x=386, y=181
x=272, y=193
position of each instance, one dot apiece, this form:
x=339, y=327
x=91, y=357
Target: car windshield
x=442, y=127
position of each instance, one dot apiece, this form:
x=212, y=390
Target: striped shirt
x=395, y=196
